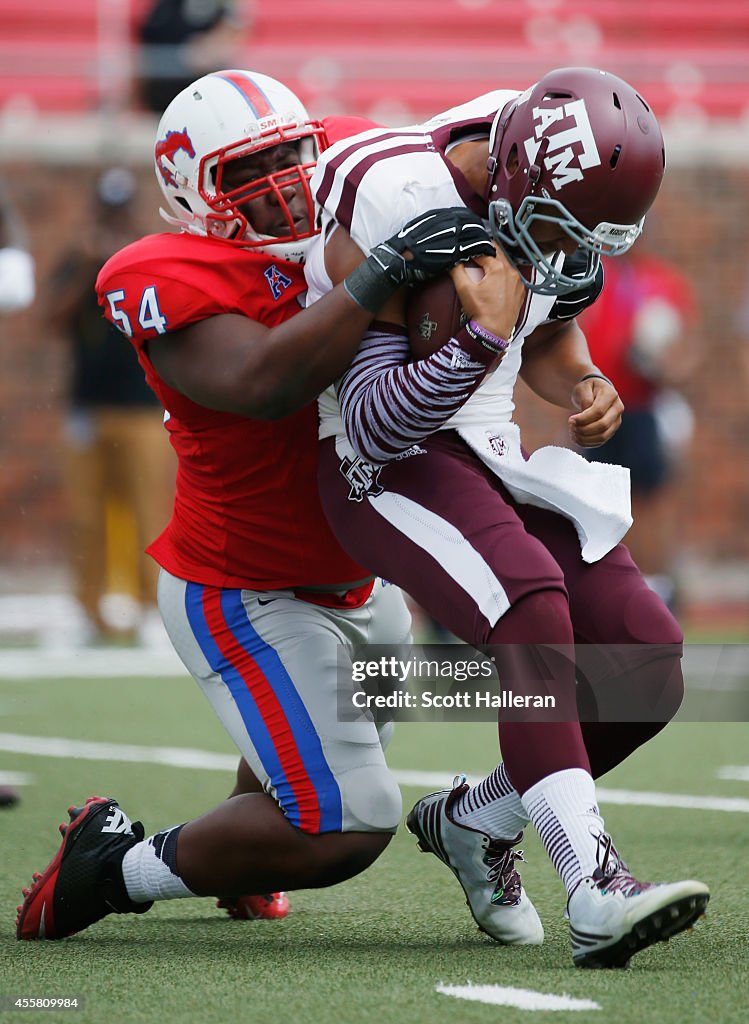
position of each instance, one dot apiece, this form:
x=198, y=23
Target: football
x=434, y=313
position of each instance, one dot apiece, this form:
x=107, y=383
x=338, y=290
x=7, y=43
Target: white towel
x=593, y=495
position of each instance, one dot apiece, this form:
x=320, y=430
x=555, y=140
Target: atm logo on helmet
x=571, y=148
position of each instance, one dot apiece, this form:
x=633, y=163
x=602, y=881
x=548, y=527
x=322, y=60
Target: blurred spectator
x=119, y=468
x=182, y=40
x=639, y=333
x=16, y=262
x=16, y=292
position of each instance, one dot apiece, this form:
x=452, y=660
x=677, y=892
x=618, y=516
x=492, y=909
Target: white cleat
x=485, y=867
x=613, y=916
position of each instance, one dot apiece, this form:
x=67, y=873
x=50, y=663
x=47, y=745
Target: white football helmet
x=226, y=116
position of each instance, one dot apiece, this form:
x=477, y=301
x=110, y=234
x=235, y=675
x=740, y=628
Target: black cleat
x=83, y=883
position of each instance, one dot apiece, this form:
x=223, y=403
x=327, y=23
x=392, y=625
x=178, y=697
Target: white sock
x=149, y=869
x=564, y=810
x=492, y=806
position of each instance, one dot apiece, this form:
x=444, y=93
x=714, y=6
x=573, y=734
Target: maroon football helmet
x=580, y=149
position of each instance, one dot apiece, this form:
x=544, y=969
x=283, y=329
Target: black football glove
x=571, y=303
x=437, y=240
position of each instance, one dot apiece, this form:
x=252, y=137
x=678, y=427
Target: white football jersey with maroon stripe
x=375, y=183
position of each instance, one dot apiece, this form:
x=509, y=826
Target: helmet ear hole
x=183, y=202
x=513, y=161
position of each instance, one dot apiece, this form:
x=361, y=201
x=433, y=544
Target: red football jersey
x=246, y=512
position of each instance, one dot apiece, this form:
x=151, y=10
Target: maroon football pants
x=439, y=524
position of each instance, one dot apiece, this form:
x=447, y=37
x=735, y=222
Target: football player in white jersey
x=424, y=479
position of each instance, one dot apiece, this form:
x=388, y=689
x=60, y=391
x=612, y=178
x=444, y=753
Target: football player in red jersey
x=509, y=551
x=256, y=594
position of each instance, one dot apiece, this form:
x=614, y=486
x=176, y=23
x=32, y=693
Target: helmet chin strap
x=495, y=142
x=535, y=171
x=176, y=222
x=493, y=166
x=179, y=179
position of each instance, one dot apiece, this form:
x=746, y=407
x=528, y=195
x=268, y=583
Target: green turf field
x=374, y=949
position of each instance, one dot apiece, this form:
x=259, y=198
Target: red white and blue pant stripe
x=275, y=716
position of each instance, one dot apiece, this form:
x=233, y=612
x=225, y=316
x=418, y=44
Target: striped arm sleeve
x=388, y=404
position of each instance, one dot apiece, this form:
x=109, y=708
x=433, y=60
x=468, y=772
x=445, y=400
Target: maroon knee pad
x=642, y=661
x=636, y=685
x=541, y=617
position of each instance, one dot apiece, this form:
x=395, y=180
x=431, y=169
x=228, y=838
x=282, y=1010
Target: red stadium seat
x=416, y=57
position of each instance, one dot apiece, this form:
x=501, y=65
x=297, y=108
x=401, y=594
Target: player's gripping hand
x=424, y=248
x=436, y=241
x=491, y=298
x=600, y=412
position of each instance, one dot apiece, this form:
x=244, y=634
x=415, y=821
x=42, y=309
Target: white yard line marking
x=15, y=778
x=89, y=663
x=187, y=757
x=711, y=667
x=683, y=800
x=521, y=998
x=176, y=757
x=734, y=772
x=639, y=798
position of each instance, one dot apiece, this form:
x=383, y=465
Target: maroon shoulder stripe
x=334, y=163
x=344, y=212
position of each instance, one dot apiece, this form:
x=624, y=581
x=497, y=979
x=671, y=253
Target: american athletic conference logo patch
x=277, y=282
x=572, y=147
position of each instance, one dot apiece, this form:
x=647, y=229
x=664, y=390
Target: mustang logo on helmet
x=167, y=147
